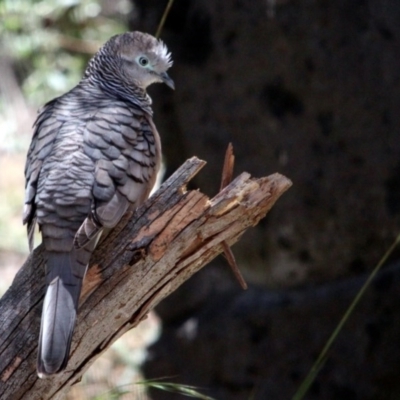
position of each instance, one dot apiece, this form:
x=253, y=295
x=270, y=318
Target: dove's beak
x=167, y=80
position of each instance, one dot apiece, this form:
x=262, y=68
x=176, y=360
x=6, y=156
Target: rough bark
x=173, y=235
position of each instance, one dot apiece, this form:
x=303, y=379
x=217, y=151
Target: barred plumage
x=94, y=155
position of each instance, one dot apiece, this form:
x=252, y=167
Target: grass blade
x=319, y=363
x=163, y=18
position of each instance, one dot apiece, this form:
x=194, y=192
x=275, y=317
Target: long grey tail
x=64, y=276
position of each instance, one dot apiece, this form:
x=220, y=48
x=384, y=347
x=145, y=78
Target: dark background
x=309, y=89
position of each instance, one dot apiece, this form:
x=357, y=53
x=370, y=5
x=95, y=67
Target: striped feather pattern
x=94, y=155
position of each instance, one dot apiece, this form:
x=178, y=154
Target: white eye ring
x=143, y=61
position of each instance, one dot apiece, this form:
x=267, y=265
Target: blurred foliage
x=44, y=47
x=49, y=41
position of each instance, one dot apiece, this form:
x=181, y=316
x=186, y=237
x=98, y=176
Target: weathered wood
x=227, y=176
x=173, y=235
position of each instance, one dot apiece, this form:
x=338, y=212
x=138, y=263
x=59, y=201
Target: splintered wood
x=227, y=175
x=148, y=256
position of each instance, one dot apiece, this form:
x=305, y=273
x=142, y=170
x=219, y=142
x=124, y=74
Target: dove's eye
x=144, y=61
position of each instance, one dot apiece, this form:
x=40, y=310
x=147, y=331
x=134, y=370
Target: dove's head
x=133, y=58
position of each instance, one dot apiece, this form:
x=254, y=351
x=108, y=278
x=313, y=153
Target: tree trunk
x=173, y=235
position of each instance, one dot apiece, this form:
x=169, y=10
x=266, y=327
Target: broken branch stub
x=227, y=175
x=169, y=238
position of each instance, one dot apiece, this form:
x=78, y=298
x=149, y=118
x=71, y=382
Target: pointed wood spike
x=227, y=171
x=232, y=263
x=227, y=175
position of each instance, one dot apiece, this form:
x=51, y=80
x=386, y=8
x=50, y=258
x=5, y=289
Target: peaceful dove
x=94, y=156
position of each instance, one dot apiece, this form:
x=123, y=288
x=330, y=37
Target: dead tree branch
x=173, y=235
